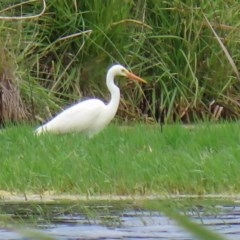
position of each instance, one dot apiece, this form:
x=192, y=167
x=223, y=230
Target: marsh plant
x=187, y=50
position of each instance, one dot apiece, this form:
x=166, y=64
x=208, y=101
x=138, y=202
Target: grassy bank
x=123, y=160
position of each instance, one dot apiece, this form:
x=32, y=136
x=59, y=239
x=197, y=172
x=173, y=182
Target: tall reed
x=187, y=51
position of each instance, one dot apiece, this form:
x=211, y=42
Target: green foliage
x=130, y=160
x=185, y=59
x=63, y=55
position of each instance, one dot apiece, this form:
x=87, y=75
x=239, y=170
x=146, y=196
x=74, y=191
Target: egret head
x=122, y=71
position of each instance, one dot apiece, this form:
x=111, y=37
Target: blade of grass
x=197, y=230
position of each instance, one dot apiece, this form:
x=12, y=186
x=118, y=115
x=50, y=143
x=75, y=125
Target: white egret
x=90, y=116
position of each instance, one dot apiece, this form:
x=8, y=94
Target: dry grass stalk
x=23, y=17
x=227, y=54
x=11, y=105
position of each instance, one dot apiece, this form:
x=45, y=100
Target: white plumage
x=90, y=116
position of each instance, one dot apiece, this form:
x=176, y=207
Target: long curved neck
x=114, y=90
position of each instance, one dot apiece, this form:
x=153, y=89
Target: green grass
x=123, y=160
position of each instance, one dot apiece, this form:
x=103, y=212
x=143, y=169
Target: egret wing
x=79, y=117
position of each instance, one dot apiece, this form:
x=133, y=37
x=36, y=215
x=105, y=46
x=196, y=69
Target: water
x=115, y=221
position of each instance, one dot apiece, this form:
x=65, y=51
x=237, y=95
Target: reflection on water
x=106, y=221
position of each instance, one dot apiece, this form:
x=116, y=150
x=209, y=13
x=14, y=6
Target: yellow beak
x=135, y=77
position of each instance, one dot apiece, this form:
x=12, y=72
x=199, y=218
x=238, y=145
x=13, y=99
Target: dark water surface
x=108, y=220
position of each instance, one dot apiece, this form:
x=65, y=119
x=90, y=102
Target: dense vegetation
x=187, y=50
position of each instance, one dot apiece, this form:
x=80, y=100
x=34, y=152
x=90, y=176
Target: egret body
x=90, y=116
